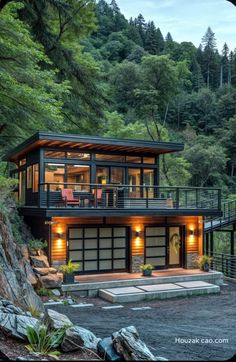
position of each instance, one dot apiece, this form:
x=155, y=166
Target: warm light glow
x=104, y=181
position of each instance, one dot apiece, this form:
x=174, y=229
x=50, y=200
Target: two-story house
x=98, y=201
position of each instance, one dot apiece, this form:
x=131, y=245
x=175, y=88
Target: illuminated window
x=149, y=160
x=29, y=177
x=55, y=175
x=79, y=155
x=55, y=154
x=35, y=177
x=23, y=162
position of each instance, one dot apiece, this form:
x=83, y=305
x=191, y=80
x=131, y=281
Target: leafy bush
x=37, y=245
x=202, y=260
x=44, y=292
x=69, y=268
x=7, y=185
x=146, y=267
x=44, y=341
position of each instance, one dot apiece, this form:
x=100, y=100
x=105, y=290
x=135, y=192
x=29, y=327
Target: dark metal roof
x=60, y=140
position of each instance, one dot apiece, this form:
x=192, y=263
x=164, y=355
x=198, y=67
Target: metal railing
x=228, y=208
x=224, y=263
x=129, y=196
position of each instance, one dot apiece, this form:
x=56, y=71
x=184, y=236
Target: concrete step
x=158, y=291
x=92, y=288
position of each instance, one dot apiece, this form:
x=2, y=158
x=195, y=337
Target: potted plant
x=68, y=271
x=204, y=262
x=147, y=269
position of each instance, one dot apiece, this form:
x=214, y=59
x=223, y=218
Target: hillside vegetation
x=80, y=66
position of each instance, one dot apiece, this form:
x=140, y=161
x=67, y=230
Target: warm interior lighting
x=104, y=182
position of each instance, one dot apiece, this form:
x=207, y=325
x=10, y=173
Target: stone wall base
x=137, y=260
x=191, y=261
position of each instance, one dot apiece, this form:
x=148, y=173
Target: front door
x=163, y=246
x=174, y=248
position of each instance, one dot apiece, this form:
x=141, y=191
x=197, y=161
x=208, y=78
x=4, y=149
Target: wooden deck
x=92, y=278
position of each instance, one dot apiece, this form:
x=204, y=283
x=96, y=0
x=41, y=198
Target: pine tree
x=150, y=42
x=160, y=41
x=209, y=56
x=114, y=7
x=141, y=26
x=169, y=37
x=224, y=67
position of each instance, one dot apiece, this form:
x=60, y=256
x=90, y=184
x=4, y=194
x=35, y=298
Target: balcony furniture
x=68, y=197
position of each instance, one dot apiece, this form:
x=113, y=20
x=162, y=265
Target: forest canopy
x=80, y=66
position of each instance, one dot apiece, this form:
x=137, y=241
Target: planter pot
x=147, y=273
x=68, y=278
x=206, y=267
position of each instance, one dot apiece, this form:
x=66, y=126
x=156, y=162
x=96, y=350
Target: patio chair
x=68, y=197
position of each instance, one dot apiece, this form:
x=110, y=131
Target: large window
x=148, y=180
x=35, y=177
x=78, y=174
x=117, y=175
x=22, y=185
x=79, y=156
x=102, y=175
x=55, y=175
x=134, y=179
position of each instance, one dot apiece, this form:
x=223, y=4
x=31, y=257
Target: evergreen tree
x=224, y=66
x=141, y=26
x=168, y=37
x=150, y=42
x=209, y=57
x=160, y=41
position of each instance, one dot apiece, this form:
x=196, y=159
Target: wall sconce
x=191, y=232
x=59, y=235
x=137, y=234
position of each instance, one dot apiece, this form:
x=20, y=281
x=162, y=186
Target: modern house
x=98, y=201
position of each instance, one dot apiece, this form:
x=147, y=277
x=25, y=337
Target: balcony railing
x=110, y=196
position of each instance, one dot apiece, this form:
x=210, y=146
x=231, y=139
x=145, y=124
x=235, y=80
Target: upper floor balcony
x=74, y=199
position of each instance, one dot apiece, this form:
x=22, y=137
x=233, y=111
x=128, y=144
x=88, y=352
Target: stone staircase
x=158, y=291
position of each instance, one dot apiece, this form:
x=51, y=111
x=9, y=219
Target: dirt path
x=200, y=319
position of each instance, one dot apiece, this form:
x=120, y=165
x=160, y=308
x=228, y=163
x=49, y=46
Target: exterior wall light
x=137, y=234
x=59, y=235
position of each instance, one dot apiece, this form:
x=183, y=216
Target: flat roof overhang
x=57, y=212
x=83, y=143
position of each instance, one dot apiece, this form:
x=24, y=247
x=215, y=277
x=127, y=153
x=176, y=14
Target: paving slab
x=160, y=287
x=124, y=290
x=194, y=284
x=113, y=307
x=141, y=308
x=81, y=305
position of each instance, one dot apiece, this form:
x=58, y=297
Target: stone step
x=92, y=288
x=159, y=291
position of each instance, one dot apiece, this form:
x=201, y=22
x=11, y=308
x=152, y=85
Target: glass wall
x=22, y=186
x=134, y=179
x=78, y=174
x=55, y=175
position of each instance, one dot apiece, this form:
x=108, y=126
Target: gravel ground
x=197, y=321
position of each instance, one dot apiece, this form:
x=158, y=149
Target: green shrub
x=69, y=268
x=37, y=245
x=44, y=341
x=44, y=292
x=146, y=267
x=202, y=260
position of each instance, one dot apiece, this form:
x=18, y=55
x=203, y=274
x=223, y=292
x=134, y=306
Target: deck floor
x=89, y=278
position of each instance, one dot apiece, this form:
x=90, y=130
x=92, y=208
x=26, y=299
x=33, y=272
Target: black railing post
x=48, y=195
x=177, y=197
x=222, y=263
x=219, y=199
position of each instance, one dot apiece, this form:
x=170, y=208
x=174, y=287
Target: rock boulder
x=57, y=320
x=77, y=337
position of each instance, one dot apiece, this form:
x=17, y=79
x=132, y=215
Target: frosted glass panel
x=155, y=231
x=75, y=255
x=119, y=264
x=119, y=243
x=90, y=265
x=119, y=231
x=119, y=253
x=91, y=254
x=90, y=233
x=105, y=254
x=76, y=244
x=91, y=244
x=105, y=243
x=105, y=265
x=75, y=233
x=155, y=241
x=156, y=261
x=105, y=232
x=156, y=252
